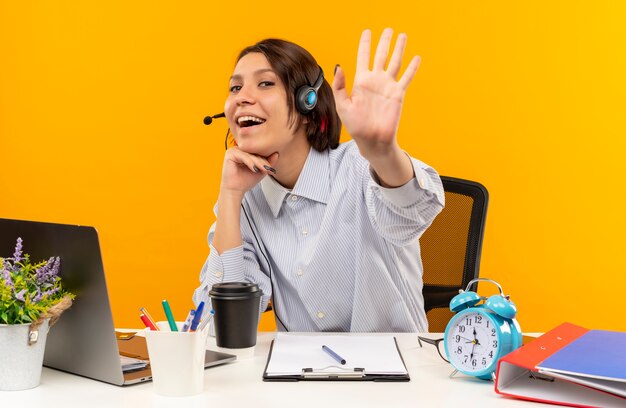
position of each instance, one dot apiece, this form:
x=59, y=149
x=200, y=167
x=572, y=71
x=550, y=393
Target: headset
x=306, y=95
x=305, y=101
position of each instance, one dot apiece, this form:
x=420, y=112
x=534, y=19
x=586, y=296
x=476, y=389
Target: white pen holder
x=176, y=360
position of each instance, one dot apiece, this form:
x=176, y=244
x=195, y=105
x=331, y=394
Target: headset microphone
x=209, y=119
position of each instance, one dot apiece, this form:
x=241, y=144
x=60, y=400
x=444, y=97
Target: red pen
x=145, y=312
x=147, y=322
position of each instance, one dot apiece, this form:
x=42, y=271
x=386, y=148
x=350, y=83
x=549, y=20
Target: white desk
x=239, y=384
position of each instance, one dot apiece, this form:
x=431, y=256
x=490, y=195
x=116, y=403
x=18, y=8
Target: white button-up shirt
x=357, y=241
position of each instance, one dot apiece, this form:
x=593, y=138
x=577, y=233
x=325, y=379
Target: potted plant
x=31, y=300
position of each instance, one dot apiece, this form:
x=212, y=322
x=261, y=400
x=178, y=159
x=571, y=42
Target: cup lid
x=235, y=289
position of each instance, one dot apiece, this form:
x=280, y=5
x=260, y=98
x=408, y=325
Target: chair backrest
x=451, y=248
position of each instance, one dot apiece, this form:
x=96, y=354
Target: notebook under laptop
x=83, y=341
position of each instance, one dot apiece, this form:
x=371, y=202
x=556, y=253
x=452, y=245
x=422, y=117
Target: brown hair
x=295, y=67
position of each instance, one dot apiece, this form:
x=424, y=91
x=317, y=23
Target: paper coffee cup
x=236, y=319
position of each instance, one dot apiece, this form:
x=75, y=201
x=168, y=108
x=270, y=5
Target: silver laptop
x=83, y=341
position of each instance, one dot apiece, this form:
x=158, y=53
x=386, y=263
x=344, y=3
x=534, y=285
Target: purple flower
x=48, y=273
x=38, y=296
x=55, y=268
x=6, y=275
x=41, y=273
x=50, y=292
x=17, y=256
x=20, y=295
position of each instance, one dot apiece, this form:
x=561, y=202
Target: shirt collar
x=313, y=182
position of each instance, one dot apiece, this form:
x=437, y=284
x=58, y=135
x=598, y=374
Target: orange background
x=101, y=107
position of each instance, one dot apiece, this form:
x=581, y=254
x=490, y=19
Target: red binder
x=569, y=365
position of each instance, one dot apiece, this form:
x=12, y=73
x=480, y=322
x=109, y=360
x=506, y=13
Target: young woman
x=329, y=231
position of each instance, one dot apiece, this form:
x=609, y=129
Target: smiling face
x=257, y=110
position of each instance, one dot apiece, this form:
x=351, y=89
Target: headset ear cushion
x=306, y=99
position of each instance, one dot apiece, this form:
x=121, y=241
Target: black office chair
x=451, y=248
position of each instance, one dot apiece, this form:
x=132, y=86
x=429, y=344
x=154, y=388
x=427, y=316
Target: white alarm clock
x=480, y=333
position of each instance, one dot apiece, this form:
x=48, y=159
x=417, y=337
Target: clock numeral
x=459, y=350
x=484, y=362
x=457, y=338
x=487, y=323
x=474, y=362
x=491, y=354
x=461, y=329
x=466, y=358
x=468, y=321
x=495, y=344
x=493, y=332
x=478, y=319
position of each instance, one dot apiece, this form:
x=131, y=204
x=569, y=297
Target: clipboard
x=307, y=368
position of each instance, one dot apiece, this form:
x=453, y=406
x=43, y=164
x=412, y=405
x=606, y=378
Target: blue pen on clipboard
x=334, y=355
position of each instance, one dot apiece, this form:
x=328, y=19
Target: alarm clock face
x=473, y=342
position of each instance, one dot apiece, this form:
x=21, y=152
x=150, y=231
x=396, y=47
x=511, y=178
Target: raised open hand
x=371, y=114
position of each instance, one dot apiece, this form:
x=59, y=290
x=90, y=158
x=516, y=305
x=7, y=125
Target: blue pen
x=334, y=355
x=197, y=317
x=188, y=320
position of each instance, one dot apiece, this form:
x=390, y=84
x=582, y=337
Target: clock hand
x=476, y=338
x=473, y=345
